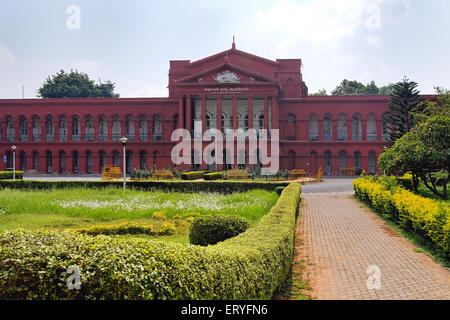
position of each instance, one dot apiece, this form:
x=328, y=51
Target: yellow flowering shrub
x=428, y=217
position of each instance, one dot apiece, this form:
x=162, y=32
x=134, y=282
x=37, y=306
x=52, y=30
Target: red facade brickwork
x=81, y=135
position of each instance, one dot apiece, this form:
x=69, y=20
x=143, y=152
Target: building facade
x=229, y=90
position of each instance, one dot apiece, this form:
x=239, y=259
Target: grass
x=79, y=207
x=427, y=193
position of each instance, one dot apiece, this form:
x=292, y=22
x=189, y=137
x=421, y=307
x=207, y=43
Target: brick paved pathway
x=341, y=238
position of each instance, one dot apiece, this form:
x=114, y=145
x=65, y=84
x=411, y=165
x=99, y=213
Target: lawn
x=423, y=191
x=79, y=207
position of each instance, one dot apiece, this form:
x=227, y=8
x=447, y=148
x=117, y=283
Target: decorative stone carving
x=227, y=77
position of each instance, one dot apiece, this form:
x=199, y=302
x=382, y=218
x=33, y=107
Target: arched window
x=23, y=128
x=143, y=160
x=62, y=161
x=49, y=161
x=342, y=127
x=129, y=128
x=62, y=129
x=36, y=161
x=102, y=160
x=356, y=127
x=116, y=158
x=143, y=128
x=313, y=129
x=23, y=160
x=10, y=130
x=327, y=128
x=372, y=169
x=357, y=162
x=36, y=136
x=76, y=130
x=49, y=129
x=157, y=128
x=76, y=162
x=243, y=121
x=371, y=128
x=327, y=166
x=386, y=129
x=102, y=129
x=89, y=162
x=116, y=129
x=290, y=130
x=342, y=159
x=89, y=130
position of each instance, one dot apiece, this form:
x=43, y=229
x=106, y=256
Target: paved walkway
x=341, y=239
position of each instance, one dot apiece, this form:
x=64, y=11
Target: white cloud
x=7, y=58
x=91, y=67
x=148, y=90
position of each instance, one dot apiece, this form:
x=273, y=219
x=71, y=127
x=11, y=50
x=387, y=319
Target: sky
x=130, y=42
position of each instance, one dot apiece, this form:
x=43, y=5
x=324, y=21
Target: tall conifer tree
x=405, y=101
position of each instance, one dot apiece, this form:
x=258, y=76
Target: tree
x=425, y=152
x=349, y=87
x=386, y=90
x=75, y=85
x=405, y=101
x=321, y=92
x=353, y=87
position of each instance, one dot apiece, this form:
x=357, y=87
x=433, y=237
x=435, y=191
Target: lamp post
x=13, y=148
x=124, y=143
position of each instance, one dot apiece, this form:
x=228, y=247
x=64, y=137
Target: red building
x=82, y=135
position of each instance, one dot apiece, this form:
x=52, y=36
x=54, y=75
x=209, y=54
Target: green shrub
x=117, y=229
x=172, y=186
x=167, y=228
x=278, y=190
x=213, y=229
x=406, y=183
x=252, y=265
x=213, y=176
x=9, y=174
x=427, y=217
x=193, y=175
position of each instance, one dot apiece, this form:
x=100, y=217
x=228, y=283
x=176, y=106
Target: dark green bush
x=279, y=190
x=213, y=229
x=172, y=186
x=193, y=175
x=213, y=176
x=9, y=174
x=406, y=183
x=253, y=265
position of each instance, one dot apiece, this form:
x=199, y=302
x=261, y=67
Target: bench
x=237, y=174
x=296, y=173
x=347, y=171
x=111, y=172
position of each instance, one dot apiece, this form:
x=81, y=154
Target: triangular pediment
x=226, y=73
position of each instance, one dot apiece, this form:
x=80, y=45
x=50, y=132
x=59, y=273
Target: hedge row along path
x=340, y=239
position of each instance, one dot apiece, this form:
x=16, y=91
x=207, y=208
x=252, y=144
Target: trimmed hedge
x=427, y=217
x=193, y=175
x=213, y=229
x=9, y=174
x=166, y=228
x=172, y=186
x=253, y=265
x=213, y=176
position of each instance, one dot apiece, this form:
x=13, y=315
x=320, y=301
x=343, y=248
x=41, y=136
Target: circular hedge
x=212, y=229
